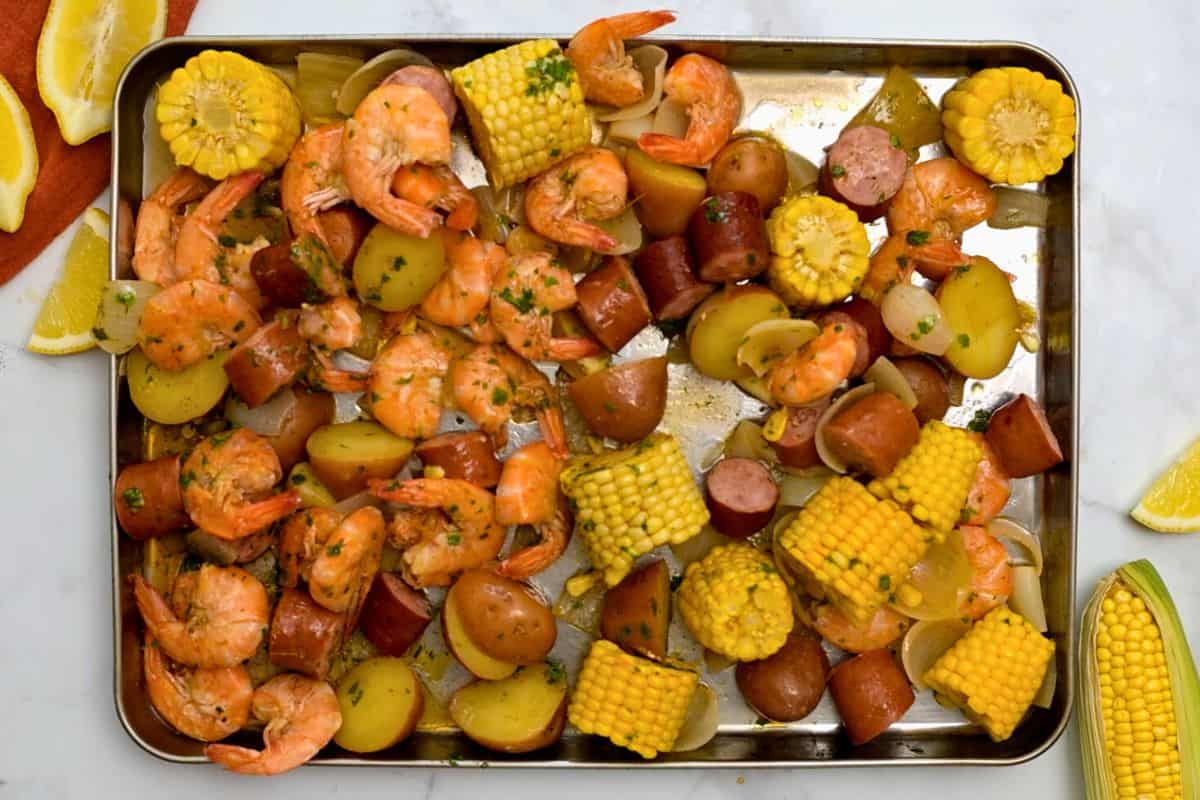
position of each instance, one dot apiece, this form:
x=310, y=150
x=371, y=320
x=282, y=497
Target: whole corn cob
x=819, y=251
x=933, y=480
x=628, y=502
x=634, y=702
x=525, y=107
x=1140, y=711
x=994, y=671
x=735, y=603
x=855, y=548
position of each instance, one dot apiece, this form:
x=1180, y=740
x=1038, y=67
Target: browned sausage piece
x=930, y=386
x=867, y=315
x=864, y=170
x=282, y=282
x=870, y=692
x=741, y=496
x=312, y=410
x=1022, y=439
x=872, y=434
x=304, y=636
x=862, y=353
x=464, y=455
x=211, y=547
x=729, y=238
x=667, y=274
x=345, y=228
x=395, y=614
x=612, y=304
x=788, y=685
x=148, y=499
x=269, y=360
x=797, y=445
x=432, y=80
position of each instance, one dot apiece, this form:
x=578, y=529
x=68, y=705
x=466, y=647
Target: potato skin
x=347, y=455
x=519, y=714
x=503, y=617
x=930, y=386
x=463, y=648
x=467, y=455
x=625, y=402
x=381, y=701
x=667, y=194
x=313, y=409
x=393, y=271
x=719, y=324
x=787, y=685
x=637, y=611
x=752, y=165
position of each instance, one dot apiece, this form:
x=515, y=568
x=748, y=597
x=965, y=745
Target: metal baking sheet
x=801, y=91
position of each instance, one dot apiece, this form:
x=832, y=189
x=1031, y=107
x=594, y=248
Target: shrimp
x=301, y=716
x=199, y=253
x=312, y=180
x=885, y=627
x=471, y=538
x=341, y=574
x=157, y=225
x=529, y=561
x=707, y=89
x=226, y=479
x=315, y=258
x=393, y=127
x=216, y=618
x=527, y=292
x=333, y=325
x=404, y=385
x=991, y=579
x=991, y=489
x=591, y=185
x=597, y=50
x=438, y=187
x=816, y=369
x=896, y=258
x=190, y=320
x=465, y=288
x=491, y=380
x=301, y=539
x=205, y=703
x=528, y=488
x=938, y=201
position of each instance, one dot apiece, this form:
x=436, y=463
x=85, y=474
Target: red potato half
x=788, y=685
x=637, y=611
x=524, y=712
x=625, y=402
x=464, y=455
x=503, y=618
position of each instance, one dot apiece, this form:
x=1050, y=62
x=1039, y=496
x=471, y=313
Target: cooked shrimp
x=158, y=222
x=472, y=537
x=301, y=716
x=412, y=525
x=896, y=259
x=529, y=561
x=939, y=200
x=992, y=487
x=432, y=80
x=333, y=325
x=561, y=202
x=199, y=253
x=404, y=387
x=190, y=320
x=885, y=627
x=707, y=89
x=492, y=380
x=205, y=703
x=464, y=289
x=216, y=618
x=342, y=572
x=527, y=292
x=438, y=187
x=991, y=579
x=313, y=256
x=394, y=126
x=528, y=489
x=312, y=180
x=228, y=479
x=597, y=50
x=301, y=539
x=816, y=369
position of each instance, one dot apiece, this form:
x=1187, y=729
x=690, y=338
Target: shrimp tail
x=554, y=430
x=159, y=619
x=257, y=516
x=242, y=760
x=937, y=259
x=572, y=349
x=340, y=381
x=639, y=23
x=407, y=217
x=584, y=234
x=464, y=211
x=673, y=150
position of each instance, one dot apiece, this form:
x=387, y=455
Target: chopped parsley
x=548, y=72
x=979, y=423
x=334, y=550
x=524, y=303
x=837, y=171
x=499, y=396
x=298, y=478
x=917, y=238
x=896, y=142
x=133, y=498
x=713, y=212
x=555, y=672
x=454, y=539
x=226, y=240
x=356, y=693
x=126, y=297
x=964, y=340
x=885, y=582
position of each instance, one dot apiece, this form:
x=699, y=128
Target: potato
x=503, y=617
x=173, y=398
x=719, y=324
x=345, y=456
x=624, y=402
x=369, y=342
x=752, y=165
x=381, y=701
x=524, y=712
x=313, y=493
x=637, y=610
x=394, y=271
x=312, y=410
x=788, y=685
x=477, y=662
x=666, y=194
x=978, y=304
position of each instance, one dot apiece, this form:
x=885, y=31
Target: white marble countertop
x=60, y=737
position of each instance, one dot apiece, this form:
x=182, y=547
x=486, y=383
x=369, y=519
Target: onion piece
x=757, y=388
x=1045, y=694
x=956, y=384
x=370, y=74
x=698, y=546
x=803, y=175
x=582, y=612
x=702, y=720
x=671, y=118
x=494, y=223
x=121, y=307
x=627, y=131
x=1026, y=598
x=651, y=61
x=796, y=490
x=1019, y=208
x=914, y=317
x=771, y=340
x=266, y=420
x=747, y=441
x=714, y=662
x=356, y=501
x=1008, y=531
x=942, y=577
x=626, y=229
x=887, y=378
x=823, y=449
x=925, y=643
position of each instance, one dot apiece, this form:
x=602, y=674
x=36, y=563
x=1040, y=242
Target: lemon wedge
x=64, y=325
x=84, y=46
x=1173, y=503
x=18, y=158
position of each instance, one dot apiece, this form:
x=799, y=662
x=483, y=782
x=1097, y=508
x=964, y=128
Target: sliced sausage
x=1022, y=438
x=668, y=275
x=612, y=304
x=867, y=315
x=304, y=636
x=269, y=360
x=872, y=434
x=729, y=238
x=148, y=499
x=930, y=386
x=870, y=692
x=741, y=496
x=862, y=353
x=464, y=455
x=788, y=685
x=864, y=169
x=280, y=279
x=345, y=229
x=230, y=551
x=432, y=80
x=797, y=445
x=395, y=614
x=312, y=410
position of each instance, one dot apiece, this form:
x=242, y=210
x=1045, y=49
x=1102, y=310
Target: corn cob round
x=735, y=603
x=819, y=251
x=933, y=480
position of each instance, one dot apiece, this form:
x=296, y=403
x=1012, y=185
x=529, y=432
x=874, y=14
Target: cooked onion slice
x=702, y=720
x=769, y=341
x=1026, y=597
x=823, y=449
x=914, y=317
x=796, y=489
x=698, y=546
x=887, y=378
x=925, y=643
x=747, y=441
x=1045, y=694
x=627, y=131
x=803, y=174
x=356, y=501
x=651, y=61
x=939, y=579
x=1019, y=208
x=369, y=75
x=267, y=419
x=120, y=312
x=626, y=229
x=1030, y=548
x=671, y=118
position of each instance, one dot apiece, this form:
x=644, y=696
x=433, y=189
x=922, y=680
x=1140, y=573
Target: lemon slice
x=64, y=325
x=18, y=158
x=84, y=46
x=1173, y=503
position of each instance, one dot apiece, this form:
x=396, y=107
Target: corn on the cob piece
x=857, y=549
x=628, y=502
x=993, y=672
x=634, y=702
x=1140, y=710
x=819, y=251
x=525, y=107
x=735, y=603
x=222, y=114
x=1010, y=124
x=933, y=480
